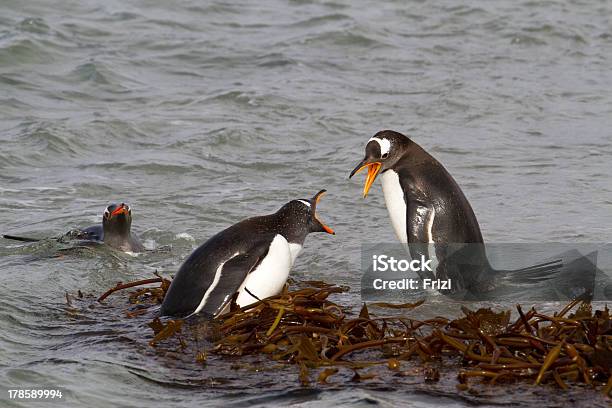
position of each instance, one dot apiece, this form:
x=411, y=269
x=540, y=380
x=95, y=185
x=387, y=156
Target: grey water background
x=199, y=114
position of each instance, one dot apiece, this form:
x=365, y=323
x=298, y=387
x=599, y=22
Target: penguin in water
x=115, y=231
x=248, y=261
x=431, y=215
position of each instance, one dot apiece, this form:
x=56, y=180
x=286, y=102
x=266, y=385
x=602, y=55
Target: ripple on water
x=25, y=51
x=46, y=142
x=274, y=60
x=347, y=39
x=323, y=20
x=35, y=25
x=90, y=72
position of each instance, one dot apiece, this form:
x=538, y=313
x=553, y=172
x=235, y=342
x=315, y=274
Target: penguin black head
x=301, y=217
x=117, y=219
x=382, y=151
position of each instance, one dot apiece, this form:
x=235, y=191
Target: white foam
x=150, y=244
x=184, y=235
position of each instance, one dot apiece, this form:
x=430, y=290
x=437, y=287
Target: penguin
x=431, y=215
x=248, y=261
x=115, y=231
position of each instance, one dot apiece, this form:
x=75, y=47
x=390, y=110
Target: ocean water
x=199, y=114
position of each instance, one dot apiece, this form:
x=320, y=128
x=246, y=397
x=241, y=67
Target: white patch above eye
x=385, y=145
x=306, y=203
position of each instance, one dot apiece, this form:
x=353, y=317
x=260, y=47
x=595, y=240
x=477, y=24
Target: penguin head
x=301, y=217
x=382, y=151
x=117, y=219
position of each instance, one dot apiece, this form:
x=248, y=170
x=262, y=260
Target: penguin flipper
x=232, y=275
x=93, y=233
x=419, y=222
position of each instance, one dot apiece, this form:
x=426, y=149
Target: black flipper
x=199, y=273
x=418, y=215
x=233, y=274
x=93, y=233
x=22, y=239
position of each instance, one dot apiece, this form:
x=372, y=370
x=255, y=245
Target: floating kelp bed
x=303, y=327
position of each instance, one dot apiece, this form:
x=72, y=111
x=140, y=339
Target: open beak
x=119, y=210
x=373, y=170
x=315, y=201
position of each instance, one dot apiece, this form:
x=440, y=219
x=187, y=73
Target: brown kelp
x=303, y=326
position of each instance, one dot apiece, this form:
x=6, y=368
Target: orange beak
x=373, y=170
x=316, y=199
x=119, y=210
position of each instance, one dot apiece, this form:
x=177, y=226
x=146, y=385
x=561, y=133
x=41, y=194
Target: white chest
x=394, y=199
x=270, y=275
x=295, y=250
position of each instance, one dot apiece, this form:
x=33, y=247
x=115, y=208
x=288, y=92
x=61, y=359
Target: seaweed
x=304, y=327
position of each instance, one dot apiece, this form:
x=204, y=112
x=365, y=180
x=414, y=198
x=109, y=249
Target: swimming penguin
x=115, y=231
x=251, y=259
x=431, y=215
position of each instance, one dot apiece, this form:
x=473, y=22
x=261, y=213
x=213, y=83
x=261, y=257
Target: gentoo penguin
x=248, y=261
x=425, y=204
x=431, y=215
x=115, y=231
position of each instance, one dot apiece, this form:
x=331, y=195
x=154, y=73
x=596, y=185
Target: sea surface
x=201, y=113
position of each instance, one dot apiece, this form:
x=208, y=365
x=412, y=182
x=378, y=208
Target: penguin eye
x=385, y=155
x=106, y=213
